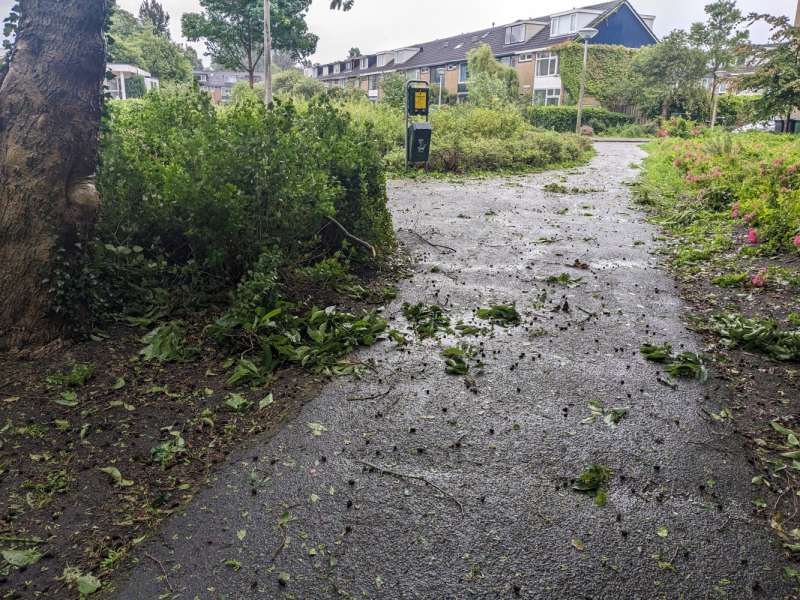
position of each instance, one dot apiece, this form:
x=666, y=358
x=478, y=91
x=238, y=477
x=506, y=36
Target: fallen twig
x=347, y=234
x=432, y=244
x=383, y=470
x=283, y=539
x=389, y=389
x=163, y=570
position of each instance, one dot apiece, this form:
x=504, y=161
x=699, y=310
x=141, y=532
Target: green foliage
x=233, y=30
x=739, y=280
x=605, y=66
x=166, y=343
x=394, y=90
x=686, y=364
x=490, y=82
x=427, y=321
x=720, y=36
x=501, y=314
x=152, y=52
x=207, y=188
x=80, y=374
x=152, y=11
x=330, y=272
x=594, y=481
x=776, y=70
x=294, y=84
x=563, y=118
x=135, y=87
x=757, y=334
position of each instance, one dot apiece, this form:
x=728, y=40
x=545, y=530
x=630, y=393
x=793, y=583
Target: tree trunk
x=50, y=108
x=663, y=110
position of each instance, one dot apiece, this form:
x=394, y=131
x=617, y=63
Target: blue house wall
x=623, y=28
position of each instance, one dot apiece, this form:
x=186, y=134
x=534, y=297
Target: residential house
x=117, y=86
x=220, y=83
x=523, y=45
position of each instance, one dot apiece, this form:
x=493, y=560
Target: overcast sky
x=374, y=25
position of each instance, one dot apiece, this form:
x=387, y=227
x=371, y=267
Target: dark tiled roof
x=454, y=49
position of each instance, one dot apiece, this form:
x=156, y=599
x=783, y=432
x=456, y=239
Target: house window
x=446, y=44
x=356, y=83
x=564, y=25
x=507, y=61
x=343, y=83
x=525, y=57
x=381, y=60
x=203, y=77
x=324, y=71
x=337, y=68
x=364, y=63
x=203, y=88
x=452, y=67
x=463, y=74
x=226, y=92
x=373, y=82
x=459, y=45
x=230, y=78
x=550, y=97
x=424, y=70
x=515, y=34
x=546, y=64
x=399, y=57
x=412, y=74
x=348, y=66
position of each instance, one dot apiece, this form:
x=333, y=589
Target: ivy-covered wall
x=605, y=66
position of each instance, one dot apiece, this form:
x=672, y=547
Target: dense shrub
x=564, y=118
x=754, y=177
x=207, y=188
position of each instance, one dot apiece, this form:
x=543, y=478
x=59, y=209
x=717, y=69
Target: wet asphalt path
x=505, y=455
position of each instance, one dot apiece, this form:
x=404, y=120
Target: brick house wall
x=451, y=80
x=526, y=71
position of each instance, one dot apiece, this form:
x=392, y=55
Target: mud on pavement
x=417, y=483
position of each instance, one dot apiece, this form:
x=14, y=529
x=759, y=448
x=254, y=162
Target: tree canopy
x=152, y=9
x=777, y=69
x=489, y=81
x=233, y=31
x=354, y=52
x=719, y=36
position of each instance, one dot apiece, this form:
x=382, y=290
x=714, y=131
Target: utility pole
x=267, y=55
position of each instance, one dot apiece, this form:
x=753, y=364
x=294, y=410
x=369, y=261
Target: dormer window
x=337, y=68
x=564, y=25
x=364, y=63
x=399, y=57
x=348, y=66
x=515, y=34
x=381, y=60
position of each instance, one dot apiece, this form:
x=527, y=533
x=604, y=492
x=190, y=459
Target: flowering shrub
x=681, y=128
x=586, y=130
x=753, y=177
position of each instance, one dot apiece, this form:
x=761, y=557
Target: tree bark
x=50, y=108
x=663, y=110
x=267, y=53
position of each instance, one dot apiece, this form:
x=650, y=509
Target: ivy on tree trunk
x=50, y=107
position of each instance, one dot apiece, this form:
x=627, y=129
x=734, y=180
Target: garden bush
x=196, y=188
x=564, y=118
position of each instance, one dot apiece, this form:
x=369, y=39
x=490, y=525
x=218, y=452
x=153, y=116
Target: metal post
x=440, y=90
x=583, y=83
x=406, y=130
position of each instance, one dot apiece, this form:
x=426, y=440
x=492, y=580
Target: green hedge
x=563, y=118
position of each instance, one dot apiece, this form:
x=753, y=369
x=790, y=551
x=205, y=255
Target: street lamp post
x=719, y=74
x=587, y=34
x=440, y=72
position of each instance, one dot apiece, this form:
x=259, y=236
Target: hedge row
x=563, y=118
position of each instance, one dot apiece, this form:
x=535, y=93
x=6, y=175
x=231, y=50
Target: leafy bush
x=682, y=128
x=564, y=118
x=207, y=187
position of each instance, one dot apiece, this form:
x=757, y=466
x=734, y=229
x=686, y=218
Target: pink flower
x=750, y=217
x=752, y=237
x=758, y=280
x=677, y=162
x=797, y=241
x=735, y=213
x=758, y=145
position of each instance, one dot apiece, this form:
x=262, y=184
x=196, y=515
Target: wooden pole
x=267, y=55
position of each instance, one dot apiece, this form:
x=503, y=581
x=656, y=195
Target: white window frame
x=452, y=67
x=508, y=59
x=325, y=70
x=203, y=77
x=203, y=88
x=356, y=82
x=226, y=92
x=526, y=57
x=553, y=64
x=337, y=68
x=382, y=60
x=556, y=25
x=364, y=63
x=230, y=79
x=552, y=97
x=424, y=70
x=348, y=66
x=373, y=82
x=412, y=74
x=515, y=34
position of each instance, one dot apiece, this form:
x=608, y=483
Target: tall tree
x=719, y=37
x=669, y=71
x=50, y=103
x=354, y=52
x=152, y=9
x=233, y=31
x=776, y=74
